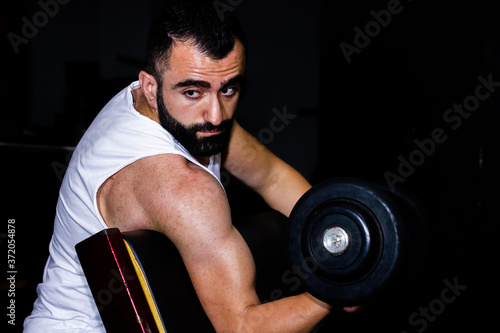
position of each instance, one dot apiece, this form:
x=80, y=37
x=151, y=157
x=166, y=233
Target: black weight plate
x=362, y=230
x=375, y=252
x=419, y=227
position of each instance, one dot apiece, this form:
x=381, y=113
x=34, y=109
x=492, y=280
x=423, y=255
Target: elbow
x=246, y=321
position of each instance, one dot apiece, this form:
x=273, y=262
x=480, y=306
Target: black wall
x=387, y=113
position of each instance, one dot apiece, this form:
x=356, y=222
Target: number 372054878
x=11, y=244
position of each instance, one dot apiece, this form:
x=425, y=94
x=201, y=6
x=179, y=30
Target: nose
x=213, y=113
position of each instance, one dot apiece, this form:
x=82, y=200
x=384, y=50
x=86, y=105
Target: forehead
x=186, y=61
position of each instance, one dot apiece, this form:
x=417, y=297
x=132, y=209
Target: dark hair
x=213, y=31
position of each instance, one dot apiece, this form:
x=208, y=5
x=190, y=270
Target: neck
x=204, y=160
x=142, y=106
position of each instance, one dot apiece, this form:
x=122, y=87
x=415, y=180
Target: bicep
x=217, y=258
x=224, y=279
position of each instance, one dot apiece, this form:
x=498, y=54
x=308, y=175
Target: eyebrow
x=233, y=81
x=206, y=85
x=192, y=82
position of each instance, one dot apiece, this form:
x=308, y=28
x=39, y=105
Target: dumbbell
x=354, y=240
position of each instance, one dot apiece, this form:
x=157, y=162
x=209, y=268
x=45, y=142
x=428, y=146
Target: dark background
x=357, y=118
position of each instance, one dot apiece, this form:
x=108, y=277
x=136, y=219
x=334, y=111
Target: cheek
x=230, y=106
x=178, y=110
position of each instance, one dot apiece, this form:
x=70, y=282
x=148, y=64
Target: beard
x=186, y=135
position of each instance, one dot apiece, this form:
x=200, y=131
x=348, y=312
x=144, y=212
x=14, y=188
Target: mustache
x=208, y=127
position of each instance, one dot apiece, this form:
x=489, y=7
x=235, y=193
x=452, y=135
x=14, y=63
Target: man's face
x=198, y=98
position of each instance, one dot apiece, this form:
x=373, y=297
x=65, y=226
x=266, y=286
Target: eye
x=192, y=93
x=228, y=91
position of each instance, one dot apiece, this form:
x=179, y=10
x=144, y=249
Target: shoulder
x=168, y=180
x=186, y=203
x=162, y=193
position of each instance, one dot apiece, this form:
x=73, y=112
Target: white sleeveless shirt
x=118, y=136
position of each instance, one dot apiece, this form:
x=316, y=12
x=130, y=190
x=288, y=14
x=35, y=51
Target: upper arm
x=193, y=211
x=168, y=194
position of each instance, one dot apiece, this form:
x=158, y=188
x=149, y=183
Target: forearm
x=277, y=182
x=301, y=313
x=284, y=187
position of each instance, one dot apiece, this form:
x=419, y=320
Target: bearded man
x=151, y=160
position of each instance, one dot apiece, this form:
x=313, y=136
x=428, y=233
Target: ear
x=149, y=88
